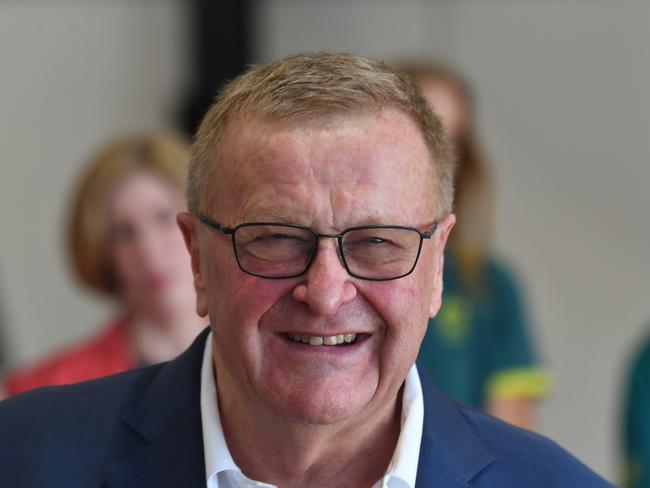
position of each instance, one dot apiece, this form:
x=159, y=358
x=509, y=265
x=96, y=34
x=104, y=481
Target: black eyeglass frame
x=226, y=230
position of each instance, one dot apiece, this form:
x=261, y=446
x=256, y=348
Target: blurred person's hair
x=164, y=155
x=308, y=86
x=473, y=197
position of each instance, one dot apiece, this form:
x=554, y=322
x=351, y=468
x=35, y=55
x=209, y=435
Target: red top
x=106, y=353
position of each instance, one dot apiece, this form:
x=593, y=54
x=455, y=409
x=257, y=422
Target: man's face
x=329, y=174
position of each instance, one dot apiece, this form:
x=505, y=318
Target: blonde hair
x=308, y=86
x=473, y=200
x=164, y=155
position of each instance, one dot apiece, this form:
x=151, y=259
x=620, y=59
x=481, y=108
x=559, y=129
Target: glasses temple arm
x=427, y=234
x=221, y=228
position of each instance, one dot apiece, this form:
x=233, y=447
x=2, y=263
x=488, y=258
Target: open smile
x=340, y=340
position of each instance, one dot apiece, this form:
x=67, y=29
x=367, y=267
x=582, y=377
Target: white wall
x=565, y=115
x=375, y=28
x=73, y=74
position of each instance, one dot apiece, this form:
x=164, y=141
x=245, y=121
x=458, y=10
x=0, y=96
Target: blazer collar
x=451, y=451
x=164, y=420
x=166, y=435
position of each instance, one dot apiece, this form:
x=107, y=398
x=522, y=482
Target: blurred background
x=564, y=112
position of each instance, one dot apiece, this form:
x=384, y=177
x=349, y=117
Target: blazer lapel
x=165, y=439
x=451, y=452
x=164, y=424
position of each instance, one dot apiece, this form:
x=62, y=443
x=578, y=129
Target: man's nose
x=327, y=285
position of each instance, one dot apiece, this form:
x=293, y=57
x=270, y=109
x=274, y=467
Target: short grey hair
x=308, y=86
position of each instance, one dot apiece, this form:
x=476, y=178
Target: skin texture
x=152, y=266
x=448, y=103
x=318, y=416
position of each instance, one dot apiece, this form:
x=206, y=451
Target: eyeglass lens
x=277, y=251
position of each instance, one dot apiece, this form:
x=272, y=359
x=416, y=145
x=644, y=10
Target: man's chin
x=318, y=404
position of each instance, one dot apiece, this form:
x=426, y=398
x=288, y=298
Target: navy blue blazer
x=143, y=429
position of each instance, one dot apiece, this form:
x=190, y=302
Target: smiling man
x=320, y=204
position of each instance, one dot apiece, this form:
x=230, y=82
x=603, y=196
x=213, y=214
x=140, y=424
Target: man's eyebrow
x=281, y=214
x=287, y=215
x=380, y=219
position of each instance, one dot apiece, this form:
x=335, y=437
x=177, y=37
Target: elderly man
x=319, y=196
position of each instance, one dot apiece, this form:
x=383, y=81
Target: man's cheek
x=253, y=296
x=394, y=301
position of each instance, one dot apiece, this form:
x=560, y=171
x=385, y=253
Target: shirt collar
x=216, y=452
x=402, y=469
x=404, y=464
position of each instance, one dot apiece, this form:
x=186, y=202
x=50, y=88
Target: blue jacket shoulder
x=66, y=431
x=524, y=458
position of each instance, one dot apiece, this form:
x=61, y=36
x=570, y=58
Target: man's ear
x=189, y=228
x=442, y=232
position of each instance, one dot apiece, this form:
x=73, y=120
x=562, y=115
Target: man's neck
x=287, y=453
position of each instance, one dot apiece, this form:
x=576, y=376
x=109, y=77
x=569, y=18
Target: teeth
x=319, y=341
x=315, y=341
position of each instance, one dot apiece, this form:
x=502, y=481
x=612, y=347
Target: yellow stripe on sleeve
x=519, y=383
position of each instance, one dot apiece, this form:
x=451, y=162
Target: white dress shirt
x=222, y=472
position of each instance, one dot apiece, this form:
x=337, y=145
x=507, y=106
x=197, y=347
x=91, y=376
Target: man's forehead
x=265, y=141
x=338, y=151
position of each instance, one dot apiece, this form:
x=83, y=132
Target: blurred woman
x=478, y=348
x=124, y=244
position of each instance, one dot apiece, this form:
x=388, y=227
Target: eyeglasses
x=370, y=252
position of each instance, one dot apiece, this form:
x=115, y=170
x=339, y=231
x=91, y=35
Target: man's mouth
x=334, y=340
